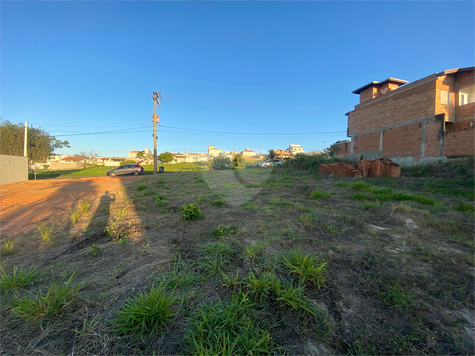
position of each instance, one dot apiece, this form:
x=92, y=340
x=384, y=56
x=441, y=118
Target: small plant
x=342, y=184
x=223, y=231
x=253, y=250
x=232, y=283
x=79, y=210
x=160, y=181
x=218, y=202
x=361, y=186
x=330, y=227
x=181, y=275
x=319, y=194
x=7, y=247
x=191, y=212
x=228, y=328
x=263, y=287
x=18, y=279
x=367, y=206
x=395, y=296
x=94, y=250
x=467, y=207
x=141, y=187
x=294, y=297
x=145, y=315
x=163, y=211
x=58, y=296
x=307, y=220
x=46, y=232
x=161, y=200
x=216, y=256
x=305, y=267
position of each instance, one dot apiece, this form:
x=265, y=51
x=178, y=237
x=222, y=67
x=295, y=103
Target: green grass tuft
x=145, y=315
x=18, y=278
x=7, y=248
x=191, y=212
x=319, y=194
x=305, y=267
x=467, y=207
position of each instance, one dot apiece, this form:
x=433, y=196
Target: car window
x=121, y=167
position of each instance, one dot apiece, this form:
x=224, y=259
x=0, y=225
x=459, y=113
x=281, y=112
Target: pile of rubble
x=365, y=168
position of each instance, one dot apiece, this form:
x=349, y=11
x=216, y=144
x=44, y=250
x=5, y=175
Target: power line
x=130, y=126
x=137, y=130
x=255, y=133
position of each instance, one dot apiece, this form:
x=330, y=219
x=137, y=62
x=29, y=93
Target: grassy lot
x=96, y=171
x=255, y=262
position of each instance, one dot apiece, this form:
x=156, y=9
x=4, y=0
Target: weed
x=360, y=196
x=306, y=267
x=263, y=287
x=94, y=250
x=161, y=200
x=160, y=181
x=319, y=194
x=367, y=206
x=7, y=248
x=467, y=207
x=223, y=231
x=141, y=187
x=331, y=228
x=145, y=315
x=281, y=204
x=232, y=283
x=252, y=250
x=79, y=210
x=228, y=328
x=18, y=279
x=181, y=274
x=191, y=212
x=58, y=296
x=250, y=206
x=395, y=296
x=218, y=202
x=342, y=184
x=216, y=256
x=46, y=232
x=163, y=211
x=361, y=186
x=293, y=297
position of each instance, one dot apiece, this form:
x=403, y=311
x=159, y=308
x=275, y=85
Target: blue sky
x=272, y=73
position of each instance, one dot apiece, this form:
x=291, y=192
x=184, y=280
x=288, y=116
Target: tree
x=89, y=157
x=165, y=157
x=238, y=162
x=271, y=154
x=40, y=144
x=334, y=148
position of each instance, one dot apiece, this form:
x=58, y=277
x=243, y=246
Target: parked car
x=270, y=163
x=135, y=169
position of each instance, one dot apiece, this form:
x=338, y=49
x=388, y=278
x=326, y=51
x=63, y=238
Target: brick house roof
x=73, y=158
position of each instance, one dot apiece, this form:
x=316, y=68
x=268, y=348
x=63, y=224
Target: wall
x=13, y=169
x=66, y=165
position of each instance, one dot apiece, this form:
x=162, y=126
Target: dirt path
x=23, y=205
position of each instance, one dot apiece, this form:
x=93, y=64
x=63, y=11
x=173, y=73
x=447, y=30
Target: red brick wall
x=395, y=107
x=432, y=139
x=368, y=142
x=344, y=149
x=460, y=142
x=466, y=110
x=447, y=83
x=401, y=142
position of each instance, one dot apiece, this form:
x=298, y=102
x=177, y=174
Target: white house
x=294, y=149
x=213, y=151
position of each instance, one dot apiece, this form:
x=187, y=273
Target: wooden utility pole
x=156, y=99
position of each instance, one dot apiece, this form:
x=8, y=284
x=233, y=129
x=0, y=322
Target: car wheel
x=136, y=173
x=113, y=174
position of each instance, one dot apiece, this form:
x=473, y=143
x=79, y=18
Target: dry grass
x=398, y=276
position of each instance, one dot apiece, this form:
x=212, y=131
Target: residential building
x=281, y=154
x=213, y=151
x=429, y=119
x=69, y=162
x=247, y=153
x=294, y=149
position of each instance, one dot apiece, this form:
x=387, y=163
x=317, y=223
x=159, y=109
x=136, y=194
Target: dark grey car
x=135, y=169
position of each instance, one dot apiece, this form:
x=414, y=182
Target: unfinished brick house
x=429, y=119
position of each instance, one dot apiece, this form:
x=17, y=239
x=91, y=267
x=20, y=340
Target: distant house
x=247, y=153
x=135, y=154
x=69, y=162
x=114, y=161
x=196, y=157
x=281, y=154
x=213, y=151
x=294, y=149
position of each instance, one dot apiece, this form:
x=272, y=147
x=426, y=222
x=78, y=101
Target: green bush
x=166, y=157
x=221, y=163
x=191, y=212
x=311, y=163
x=238, y=162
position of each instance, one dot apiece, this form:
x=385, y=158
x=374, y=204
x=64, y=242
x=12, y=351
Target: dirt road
x=24, y=205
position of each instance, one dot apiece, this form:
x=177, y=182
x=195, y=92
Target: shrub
x=238, y=162
x=221, y=163
x=165, y=157
x=311, y=163
x=223, y=231
x=191, y=212
x=218, y=202
x=143, y=316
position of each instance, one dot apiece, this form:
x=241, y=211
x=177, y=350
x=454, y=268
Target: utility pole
x=156, y=99
x=25, y=141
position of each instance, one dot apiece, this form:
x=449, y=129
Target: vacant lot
x=282, y=261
